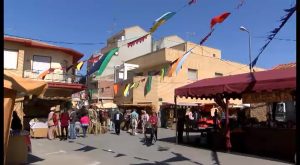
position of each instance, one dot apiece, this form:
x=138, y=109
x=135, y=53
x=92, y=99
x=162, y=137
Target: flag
x=106, y=60
x=173, y=67
x=240, y=4
x=206, y=37
x=79, y=65
x=148, y=85
x=126, y=91
x=94, y=59
x=218, y=19
x=116, y=89
x=68, y=68
x=44, y=74
x=142, y=80
x=161, y=20
x=192, y=1
x=180, y=63
x=162, y=74
x=139, y=40
x=135, y=85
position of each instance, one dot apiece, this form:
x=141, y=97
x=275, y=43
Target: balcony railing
x=52, y=77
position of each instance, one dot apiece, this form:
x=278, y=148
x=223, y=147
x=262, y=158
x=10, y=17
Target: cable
x=283, y=39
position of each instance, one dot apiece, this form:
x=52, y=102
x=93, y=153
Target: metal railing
x=52, y=77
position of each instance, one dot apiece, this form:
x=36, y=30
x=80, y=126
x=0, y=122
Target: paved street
x=126, y=149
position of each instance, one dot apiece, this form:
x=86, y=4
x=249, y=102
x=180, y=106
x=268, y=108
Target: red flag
x=116, y=89
x=44, y=74
x=218, y=19
x=94, y=59
x=139, y=40
x=206, y=37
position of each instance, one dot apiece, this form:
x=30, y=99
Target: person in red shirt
x=64, y=121
x=153, y=120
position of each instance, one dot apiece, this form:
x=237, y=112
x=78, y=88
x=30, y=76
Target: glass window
x=41, y=63
x=192, y=74
x=10, y=59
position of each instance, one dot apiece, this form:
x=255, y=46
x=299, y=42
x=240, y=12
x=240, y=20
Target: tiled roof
x=285, y=66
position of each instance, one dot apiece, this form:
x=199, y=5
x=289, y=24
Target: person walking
x=153, y=120
x=134, y=116
x=145, y=118
x=84, y=120
x=73, y=118
x=51, y=125
x=117, y=120
x=64, y=120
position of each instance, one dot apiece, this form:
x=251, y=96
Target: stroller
x=149, y=137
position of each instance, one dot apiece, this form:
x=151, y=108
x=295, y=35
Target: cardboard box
x=39, y=132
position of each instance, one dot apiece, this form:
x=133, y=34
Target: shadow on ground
x=86, y=149
x=33, y=159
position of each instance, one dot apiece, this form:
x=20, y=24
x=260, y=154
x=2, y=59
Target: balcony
x=52, y=77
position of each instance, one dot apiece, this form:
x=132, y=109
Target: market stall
x=221, y=89
x=16, y=86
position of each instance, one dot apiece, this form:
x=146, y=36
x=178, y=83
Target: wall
x=20, y=49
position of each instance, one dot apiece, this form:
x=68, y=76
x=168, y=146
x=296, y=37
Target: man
x=117, y=120
x=134, y=121
x=64, y=120
x=73, y=119
x=153, y=120
x=145, y=118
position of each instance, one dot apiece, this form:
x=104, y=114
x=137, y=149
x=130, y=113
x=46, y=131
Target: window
x=41, y=63
x=10, y=59
x=218, y=74
x=192, y=74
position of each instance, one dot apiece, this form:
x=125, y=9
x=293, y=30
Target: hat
x=52, y=108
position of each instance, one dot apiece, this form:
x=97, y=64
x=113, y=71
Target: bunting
x=135, y=85
x=94, y=59
x=79, y=65
x=106, y=60
x=206, y=37
x=44, y=74
x=162, y=74
x=173, y=67
x=218, y=19
x=126, y=91
x=240, y=4
x=161, y=20
x=192, y=1
x=139, y=40
x=180, y=63
x=148, y=85
x=274, y=32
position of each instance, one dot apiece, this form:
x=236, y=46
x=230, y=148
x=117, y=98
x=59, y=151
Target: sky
x=94, y=21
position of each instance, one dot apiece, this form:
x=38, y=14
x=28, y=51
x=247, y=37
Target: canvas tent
x=13, y=86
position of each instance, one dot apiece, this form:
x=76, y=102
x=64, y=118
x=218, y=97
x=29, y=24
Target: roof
x=285, y=66
x=37, y=44
x=235, y=85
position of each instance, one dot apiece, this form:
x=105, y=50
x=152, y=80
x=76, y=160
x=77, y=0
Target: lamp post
x=242, y=28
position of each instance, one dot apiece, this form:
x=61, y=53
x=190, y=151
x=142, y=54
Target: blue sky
x=94, y=21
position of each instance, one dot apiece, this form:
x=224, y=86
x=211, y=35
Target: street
x=110, y=148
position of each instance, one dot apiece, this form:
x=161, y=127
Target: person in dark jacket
x=16, y=122
x=117, y=120
x=73, y=119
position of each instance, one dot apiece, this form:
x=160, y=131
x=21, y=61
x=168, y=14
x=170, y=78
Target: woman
x=51, y=125
x=64, y=119
x=153, y=120
x=84, y=120
x=145, y=118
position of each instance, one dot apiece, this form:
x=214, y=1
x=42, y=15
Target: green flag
x=148, y=85
x=106, y=60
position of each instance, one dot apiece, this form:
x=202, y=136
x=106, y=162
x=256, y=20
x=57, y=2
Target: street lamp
x=242, y=28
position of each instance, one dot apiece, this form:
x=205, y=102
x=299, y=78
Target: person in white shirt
x=145, y=118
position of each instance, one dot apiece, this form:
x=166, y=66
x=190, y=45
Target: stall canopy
x=234, y=86
x=14, y=85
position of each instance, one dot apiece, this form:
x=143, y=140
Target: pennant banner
x=106, y=61
x=116, y=89
x=206, y=37
x=161, y=20
x=173, y=67
x=94, y=59
x=126, y=91
x=192, y=1
x=148, y=85
x=218, y=19
x=283, y=20
x=139, y=40
x=240, y=4
x=79, y=65
x=44, y=74
x=178, y=67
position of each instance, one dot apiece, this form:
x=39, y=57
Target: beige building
x=28, y=59
x=203, y=62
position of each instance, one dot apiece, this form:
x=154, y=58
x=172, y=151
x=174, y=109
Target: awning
x=234, y=86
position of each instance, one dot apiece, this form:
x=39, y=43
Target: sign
x=275, y=96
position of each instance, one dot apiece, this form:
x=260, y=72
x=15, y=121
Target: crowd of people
x=68, y=123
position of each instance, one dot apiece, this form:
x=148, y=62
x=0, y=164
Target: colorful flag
x=116, y=89
x=161, y=20
x=206, y=37
x=218, y=19
x=148, y=85
x=162, y=74
x=106, y=60
x=94, y=59
x=44, y=74
x=135, y=85
x=79, y=65
x=192, y=1
x=173, y=67
x=126, y=91
x=180, y=63
x=139, y=40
